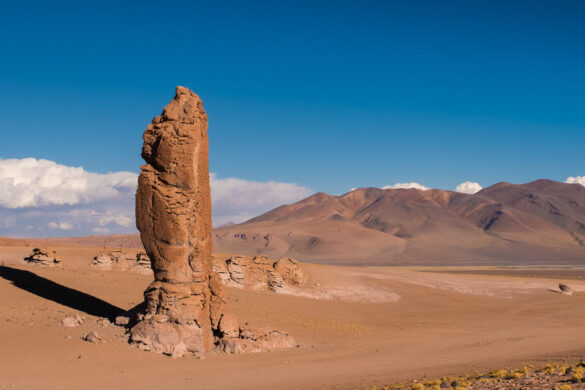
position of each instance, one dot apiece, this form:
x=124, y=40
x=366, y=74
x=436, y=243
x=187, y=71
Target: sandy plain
x=378, y=325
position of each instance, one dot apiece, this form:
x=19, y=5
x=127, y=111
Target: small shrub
x=565, y=387
x=550, y=368
x=498, y=373
x=515, y=375
x=418, y=386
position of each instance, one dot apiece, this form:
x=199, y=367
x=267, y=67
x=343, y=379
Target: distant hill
x=541, y=222
x=112, y=241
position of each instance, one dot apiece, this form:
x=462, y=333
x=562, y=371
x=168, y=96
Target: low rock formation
x=565, y=289
x=142, y=263
x=72, y=322
x=259, y=273
x=102, y=261
x=92, y=337
x=185, y=304
x=124, y=260
x=44, y=257
x=118, y=259
x=256, y=340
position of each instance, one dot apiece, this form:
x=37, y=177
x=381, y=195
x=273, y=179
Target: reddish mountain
x=542, y=222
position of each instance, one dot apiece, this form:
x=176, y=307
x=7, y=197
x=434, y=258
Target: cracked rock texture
x=173, y=214
x=259, y=273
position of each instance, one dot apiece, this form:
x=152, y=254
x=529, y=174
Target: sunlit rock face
x=173, y=214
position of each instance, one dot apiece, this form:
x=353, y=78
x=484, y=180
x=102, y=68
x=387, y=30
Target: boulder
x=122, y=320
x=290, y=271
x=92, y=337
x=72, y=322
x=229, y=325
x=102, y=261
x=44, y=257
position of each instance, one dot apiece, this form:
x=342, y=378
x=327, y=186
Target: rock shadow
x=60, y=294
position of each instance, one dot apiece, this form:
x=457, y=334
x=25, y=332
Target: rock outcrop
x=259, y=273
x=173, y=215
x=120, y=260
x=142, y=263
x=44, y=257
x=185, y=304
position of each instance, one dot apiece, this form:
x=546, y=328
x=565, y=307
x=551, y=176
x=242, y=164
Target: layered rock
x=102, y=261
x=173, y=215
x=124, y=260
x=142, y=264
x=259, y=273
x=185, y=305
x=44, y=257
x=120, y=260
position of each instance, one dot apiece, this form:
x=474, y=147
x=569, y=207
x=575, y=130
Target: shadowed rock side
x=185, y=303
x=44, y=257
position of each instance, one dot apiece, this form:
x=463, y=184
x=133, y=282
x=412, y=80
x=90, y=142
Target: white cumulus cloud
x=237, y=200
x=29, y=182
x=469, y=187
x=406, y=185
x=57, y=199
x=576, y=179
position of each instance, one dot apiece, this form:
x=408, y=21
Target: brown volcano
x=541, y=222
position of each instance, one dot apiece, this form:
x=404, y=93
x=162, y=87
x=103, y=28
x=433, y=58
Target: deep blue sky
x=331, y=95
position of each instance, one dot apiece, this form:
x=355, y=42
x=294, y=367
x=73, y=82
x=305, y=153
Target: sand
x=426, y=322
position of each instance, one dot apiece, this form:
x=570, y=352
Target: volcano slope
x=542, y=222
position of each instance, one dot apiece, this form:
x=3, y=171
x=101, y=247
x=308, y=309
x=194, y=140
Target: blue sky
x=327, y=95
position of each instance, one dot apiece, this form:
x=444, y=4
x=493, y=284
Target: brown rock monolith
x=173, y=214
x=185, y=303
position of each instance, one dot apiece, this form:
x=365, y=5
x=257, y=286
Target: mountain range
x=542, y=222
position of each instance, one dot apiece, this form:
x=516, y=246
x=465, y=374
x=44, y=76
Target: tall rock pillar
x=173, y=215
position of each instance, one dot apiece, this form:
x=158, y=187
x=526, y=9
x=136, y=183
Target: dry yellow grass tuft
x=498, y=373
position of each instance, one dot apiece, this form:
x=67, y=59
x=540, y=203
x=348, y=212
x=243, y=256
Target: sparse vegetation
x=578, y=373
x=498, y=373
x=553, y=376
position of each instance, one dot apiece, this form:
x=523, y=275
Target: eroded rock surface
x=44, y=257
x=120, y=260
x=185, y=304
x=259, y=273
x=173, y=215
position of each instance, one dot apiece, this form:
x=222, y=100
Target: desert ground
x=355, y=326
